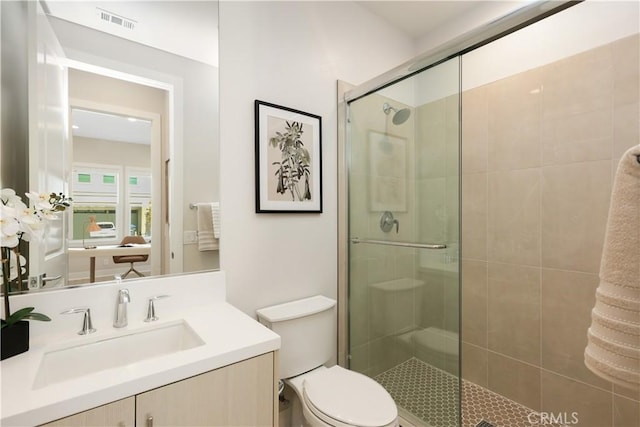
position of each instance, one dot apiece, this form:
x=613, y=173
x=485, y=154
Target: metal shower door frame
x=347, y=93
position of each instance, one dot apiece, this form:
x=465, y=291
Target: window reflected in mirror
x=111, y=178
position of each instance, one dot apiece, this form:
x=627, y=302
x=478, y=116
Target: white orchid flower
x=50, y=215
x=40, y=200
x=19, y=221
x=31, y=224
x=7, y=192
x=9, y=226
x=17, y=204
x=9, y=197
x=9, y=240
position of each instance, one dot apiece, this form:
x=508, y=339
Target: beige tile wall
x=539, y=150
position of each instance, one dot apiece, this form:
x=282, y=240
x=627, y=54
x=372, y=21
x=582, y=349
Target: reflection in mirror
x=107, y=148
x=118, y=150
x=87, y=69
x=111, y=188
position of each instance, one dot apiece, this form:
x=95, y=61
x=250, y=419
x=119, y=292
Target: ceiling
x=169, y=24
x=110, y=127
x=166, y=25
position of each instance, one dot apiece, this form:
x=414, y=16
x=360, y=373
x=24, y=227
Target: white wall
x=291, y=54
x=483, y=13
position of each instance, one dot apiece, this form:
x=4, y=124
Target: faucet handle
x=87, y=327
x=151, y=309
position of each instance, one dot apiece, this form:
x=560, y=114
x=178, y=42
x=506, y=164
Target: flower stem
x=5, y=281
x=19, y=267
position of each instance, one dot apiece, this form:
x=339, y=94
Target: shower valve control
x=387, y=222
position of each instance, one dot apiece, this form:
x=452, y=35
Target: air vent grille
x=115, y=19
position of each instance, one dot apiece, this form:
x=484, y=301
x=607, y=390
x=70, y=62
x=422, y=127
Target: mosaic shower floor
x=430, y=394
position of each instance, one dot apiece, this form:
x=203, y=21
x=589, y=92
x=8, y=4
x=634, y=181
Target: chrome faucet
x=151, y=308
x=120, y=320
x=87, y=326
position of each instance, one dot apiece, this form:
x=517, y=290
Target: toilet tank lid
x=295, y=309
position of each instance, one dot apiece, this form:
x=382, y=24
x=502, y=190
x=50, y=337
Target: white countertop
x=229, y=336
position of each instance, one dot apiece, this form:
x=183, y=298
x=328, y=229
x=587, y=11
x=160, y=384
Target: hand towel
x=215, y=216
x=613, y=348
x=206, y=239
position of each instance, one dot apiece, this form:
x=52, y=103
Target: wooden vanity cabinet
x=120, y=413
x=241, y=394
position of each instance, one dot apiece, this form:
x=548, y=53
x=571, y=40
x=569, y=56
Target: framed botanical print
x=288, y=156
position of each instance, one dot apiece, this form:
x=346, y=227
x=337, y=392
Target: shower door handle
x=356, y=240
x=387, y=221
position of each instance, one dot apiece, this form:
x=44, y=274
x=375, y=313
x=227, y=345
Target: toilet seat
x=339, y=397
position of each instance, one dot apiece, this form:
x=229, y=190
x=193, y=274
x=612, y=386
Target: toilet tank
x=307, y=330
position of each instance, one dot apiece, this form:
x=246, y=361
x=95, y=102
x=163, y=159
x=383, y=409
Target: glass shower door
x=404, y=281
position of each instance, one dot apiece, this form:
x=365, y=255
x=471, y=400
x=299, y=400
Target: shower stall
x=474, y=205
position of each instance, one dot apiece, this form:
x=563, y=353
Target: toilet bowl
x=332, y=396
x=339, y=397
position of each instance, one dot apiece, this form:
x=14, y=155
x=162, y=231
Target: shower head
x=400, y=116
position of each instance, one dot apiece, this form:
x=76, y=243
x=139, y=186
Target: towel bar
x=194, y=205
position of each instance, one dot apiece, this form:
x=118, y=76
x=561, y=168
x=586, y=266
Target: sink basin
x=115, y=351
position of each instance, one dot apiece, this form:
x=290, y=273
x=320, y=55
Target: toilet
x=332, y=396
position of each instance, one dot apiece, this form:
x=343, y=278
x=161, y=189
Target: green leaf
x=23, y=314
x=38, y=316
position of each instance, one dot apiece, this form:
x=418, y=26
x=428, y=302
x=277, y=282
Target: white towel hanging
x=613, y=349
x=215, y=217
x=206, y=238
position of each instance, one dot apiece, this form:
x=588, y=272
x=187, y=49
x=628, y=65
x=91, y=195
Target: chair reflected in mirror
x=121, y=259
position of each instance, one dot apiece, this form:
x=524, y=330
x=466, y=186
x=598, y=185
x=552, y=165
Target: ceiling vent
x=114, y=19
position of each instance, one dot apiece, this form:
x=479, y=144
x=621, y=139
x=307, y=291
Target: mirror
x=120, y=69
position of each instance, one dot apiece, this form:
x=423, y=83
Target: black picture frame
x=288, y=159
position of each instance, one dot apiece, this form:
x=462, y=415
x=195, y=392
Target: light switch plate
x=190, y=237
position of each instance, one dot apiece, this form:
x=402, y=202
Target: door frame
x=169, y=158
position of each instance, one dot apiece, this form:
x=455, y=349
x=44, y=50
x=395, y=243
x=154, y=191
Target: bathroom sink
x=115, y=351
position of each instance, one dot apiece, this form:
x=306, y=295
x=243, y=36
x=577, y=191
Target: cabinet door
x=241, y=394
x=116, y=414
